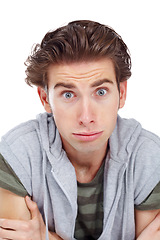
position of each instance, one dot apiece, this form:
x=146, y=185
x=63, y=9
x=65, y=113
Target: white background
x=23, y=23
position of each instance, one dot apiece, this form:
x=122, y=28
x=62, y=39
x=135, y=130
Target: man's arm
x=143, y=220
x=20, y=216
x=13, y=206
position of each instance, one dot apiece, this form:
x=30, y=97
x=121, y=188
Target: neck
x=87, y=164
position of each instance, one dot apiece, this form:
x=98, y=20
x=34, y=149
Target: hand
x=152, y=231
x=27, y=230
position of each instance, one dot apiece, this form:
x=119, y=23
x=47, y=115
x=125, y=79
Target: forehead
x=82, y=71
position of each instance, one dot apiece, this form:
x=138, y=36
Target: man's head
x=84, y=67
x=84, y=99
x=78, y=41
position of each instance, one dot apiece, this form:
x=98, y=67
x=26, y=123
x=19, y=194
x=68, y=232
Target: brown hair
x=78, y=41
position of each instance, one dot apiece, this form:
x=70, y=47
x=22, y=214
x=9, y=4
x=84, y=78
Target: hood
x=49, y=134
x=123, y=138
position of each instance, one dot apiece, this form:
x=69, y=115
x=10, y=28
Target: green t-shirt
x=9, y=180
x=89, y=222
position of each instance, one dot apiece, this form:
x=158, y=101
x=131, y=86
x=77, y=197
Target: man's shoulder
x=25, y=130
x=150, y=137
x=21, y=130
x=22, y=149
x=133, y=131
x=148, y=149
x=148, y=144
x=130, y=141
x=31, y=138
x=141, y=149
x=146, y=165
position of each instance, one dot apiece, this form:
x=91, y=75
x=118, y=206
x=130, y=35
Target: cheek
x=108, y=116
x=59, y=115
x=115, y=102
x=62, y=119
x=111, y=106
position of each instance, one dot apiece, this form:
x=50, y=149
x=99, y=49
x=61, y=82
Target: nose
x=86, y=113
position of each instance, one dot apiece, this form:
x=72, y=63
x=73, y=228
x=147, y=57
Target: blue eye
x=68, y=95
x=101, y=92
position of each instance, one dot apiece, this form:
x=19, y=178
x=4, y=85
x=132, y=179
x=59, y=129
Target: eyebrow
x=71, y=85
x=65, y=85
x=100, y=82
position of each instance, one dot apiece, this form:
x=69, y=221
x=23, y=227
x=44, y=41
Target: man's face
x=84, y=99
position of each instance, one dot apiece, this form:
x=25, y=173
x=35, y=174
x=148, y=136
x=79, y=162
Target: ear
x=44, y=99
x=123, y=93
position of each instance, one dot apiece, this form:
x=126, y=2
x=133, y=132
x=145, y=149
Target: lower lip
x=88, y=138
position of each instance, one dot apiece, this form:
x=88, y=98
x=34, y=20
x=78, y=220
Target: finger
x=9, y=234
x=12, y=235
x=32, y=206
x=13, y=224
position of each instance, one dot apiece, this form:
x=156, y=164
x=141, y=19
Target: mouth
x=87, y=136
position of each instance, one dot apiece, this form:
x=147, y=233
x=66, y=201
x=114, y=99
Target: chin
x=90, y=147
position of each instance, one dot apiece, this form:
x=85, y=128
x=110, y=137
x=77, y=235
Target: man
x=92, y=174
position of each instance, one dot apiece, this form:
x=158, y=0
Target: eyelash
x=67, y=93
x=104, y=89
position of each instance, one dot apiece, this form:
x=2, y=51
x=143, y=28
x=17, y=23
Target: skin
x=87, y=97
x=14, y=207
x=152, y=231
x=143, y=219
x=29, y=226
x=89, y=104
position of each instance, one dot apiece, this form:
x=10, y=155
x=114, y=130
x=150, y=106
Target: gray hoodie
x=132, y=170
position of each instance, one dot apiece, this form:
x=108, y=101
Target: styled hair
x=76, y=42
